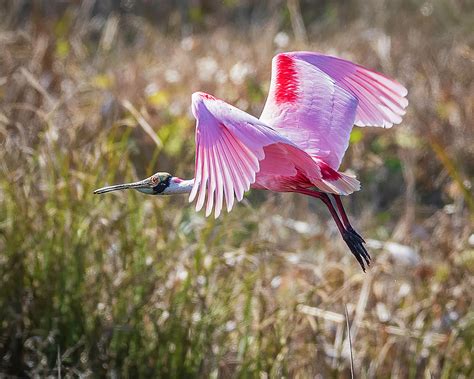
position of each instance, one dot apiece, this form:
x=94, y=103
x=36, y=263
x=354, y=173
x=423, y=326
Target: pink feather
x=236, y=151
x=328, y=96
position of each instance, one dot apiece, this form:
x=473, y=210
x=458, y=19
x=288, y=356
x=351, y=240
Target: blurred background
x=126, y=285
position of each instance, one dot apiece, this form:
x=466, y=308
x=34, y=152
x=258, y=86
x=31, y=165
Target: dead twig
x=142, y=122
x=349, y=338
x=436, y=338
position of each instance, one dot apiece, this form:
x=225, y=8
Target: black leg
x=351, y=238
x=344, y=217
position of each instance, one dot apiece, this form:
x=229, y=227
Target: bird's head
x=157, y=184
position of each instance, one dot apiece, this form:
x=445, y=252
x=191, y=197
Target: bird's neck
x=178, y=185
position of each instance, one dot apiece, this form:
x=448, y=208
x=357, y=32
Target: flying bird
x=296, y=145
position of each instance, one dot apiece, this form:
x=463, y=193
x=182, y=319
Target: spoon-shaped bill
x=135, y=185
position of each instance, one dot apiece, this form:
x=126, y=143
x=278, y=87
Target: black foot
x=355, y=243
x=349, y=229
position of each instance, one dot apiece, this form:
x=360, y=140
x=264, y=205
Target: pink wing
x=314, y=100
x=382, y=100
x=229, y=147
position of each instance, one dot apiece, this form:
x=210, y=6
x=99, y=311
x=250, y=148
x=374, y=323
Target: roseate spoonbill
x=297, y=144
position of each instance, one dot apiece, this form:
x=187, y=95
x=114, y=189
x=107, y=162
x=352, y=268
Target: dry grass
x=136, y=286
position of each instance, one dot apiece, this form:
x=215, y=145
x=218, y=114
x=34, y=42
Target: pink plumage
x=313, y=103
x=236, y=151
x=299, y=141
x=381, y=101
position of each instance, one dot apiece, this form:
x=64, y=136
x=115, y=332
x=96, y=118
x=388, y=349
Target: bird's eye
x=154, y=180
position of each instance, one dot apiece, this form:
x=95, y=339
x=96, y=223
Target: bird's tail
x=338, y=183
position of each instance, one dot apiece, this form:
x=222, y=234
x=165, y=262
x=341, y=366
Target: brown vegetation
x=137, y=286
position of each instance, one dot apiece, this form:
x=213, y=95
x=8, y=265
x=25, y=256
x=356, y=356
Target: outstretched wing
x=382, y=100
x=229, y=147
x=314, y=100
